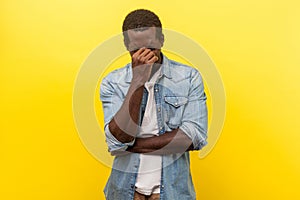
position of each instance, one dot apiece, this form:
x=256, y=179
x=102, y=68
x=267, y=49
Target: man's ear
x=125, y=43
x=162, y=40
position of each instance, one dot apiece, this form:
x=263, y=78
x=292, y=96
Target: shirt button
x=162, y=186
x=158, y=109
x=176, y=103
x=156, y=90
x=160, y=128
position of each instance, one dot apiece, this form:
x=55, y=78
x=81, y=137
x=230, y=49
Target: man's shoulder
x=181, y=70
x=118, y=74
x=180, y=65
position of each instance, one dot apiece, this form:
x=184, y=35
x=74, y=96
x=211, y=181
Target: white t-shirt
x=149, y=174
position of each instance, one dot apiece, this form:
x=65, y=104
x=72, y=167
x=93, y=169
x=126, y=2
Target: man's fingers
x=149, y=56
x=138, y=52
x=143, y=56
x=152, y=60
x=144, y=53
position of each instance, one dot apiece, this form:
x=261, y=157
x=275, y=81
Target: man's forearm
x=124, y=125
x=175, y=141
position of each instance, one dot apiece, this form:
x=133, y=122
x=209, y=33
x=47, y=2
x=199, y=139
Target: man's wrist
x=136, y=83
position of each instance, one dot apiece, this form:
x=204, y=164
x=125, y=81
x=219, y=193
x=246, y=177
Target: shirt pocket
x=174, y=108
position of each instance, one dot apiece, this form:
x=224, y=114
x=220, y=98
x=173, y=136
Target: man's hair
x=140, y=19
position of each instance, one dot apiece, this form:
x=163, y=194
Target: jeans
x=138, y=196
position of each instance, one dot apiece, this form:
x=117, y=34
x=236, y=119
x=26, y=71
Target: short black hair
x=139, y=19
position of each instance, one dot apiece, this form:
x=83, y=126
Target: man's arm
x=191, y=134
x=175, y=141
x=124, y=125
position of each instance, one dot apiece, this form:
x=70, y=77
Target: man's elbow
x=118, y=133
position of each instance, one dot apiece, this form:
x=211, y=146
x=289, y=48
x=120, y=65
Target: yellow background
x=255, y=45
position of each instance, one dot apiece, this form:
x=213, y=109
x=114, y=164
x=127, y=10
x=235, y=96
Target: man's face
x=146, y=38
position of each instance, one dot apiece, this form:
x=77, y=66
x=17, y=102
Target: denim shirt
x=180, y=103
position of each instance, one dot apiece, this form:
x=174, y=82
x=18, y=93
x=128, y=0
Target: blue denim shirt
x=180, y=103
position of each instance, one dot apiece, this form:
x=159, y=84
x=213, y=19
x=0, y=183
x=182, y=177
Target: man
x=155, y=113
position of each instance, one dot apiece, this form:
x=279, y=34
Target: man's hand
x=142, y=63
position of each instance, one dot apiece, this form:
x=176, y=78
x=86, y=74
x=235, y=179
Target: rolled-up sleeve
x=115, y=146
x=111, y=103
x=194, y=121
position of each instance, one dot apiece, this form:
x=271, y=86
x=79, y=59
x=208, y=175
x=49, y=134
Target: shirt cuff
x=115, y=145
x=199, y=141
